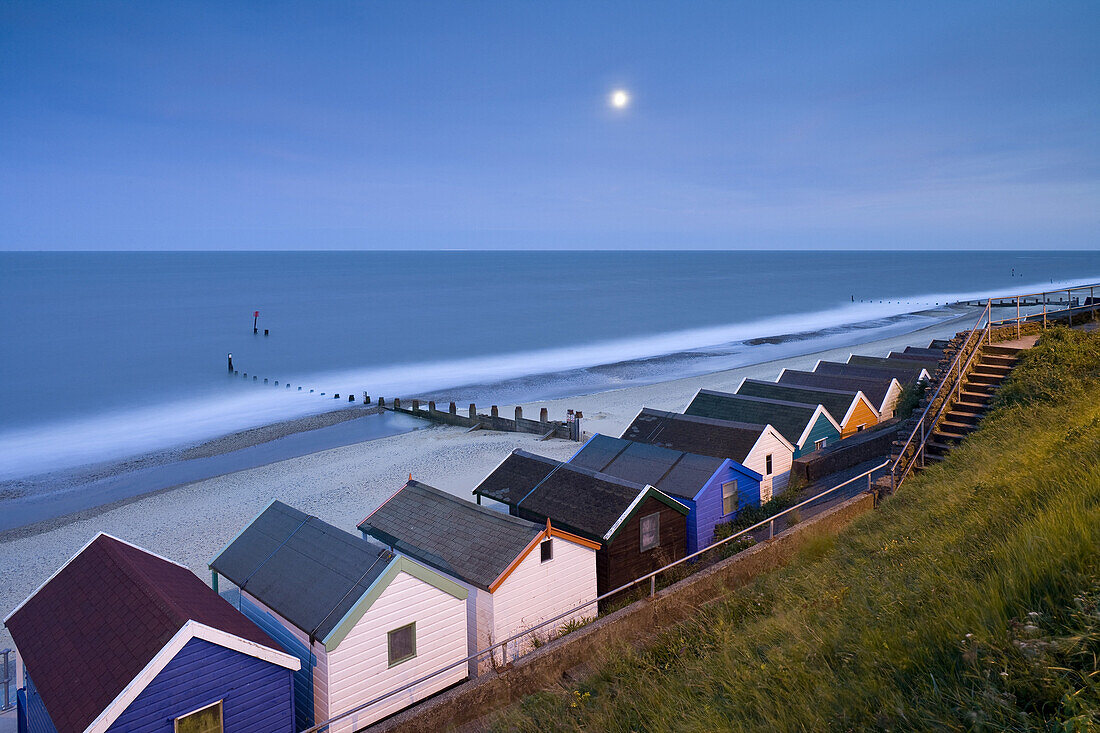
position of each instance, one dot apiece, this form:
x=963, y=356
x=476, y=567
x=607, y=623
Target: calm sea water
x=112, y=354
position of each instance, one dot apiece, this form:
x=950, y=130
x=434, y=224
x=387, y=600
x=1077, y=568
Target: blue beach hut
x=122, y=640
x=713, y=489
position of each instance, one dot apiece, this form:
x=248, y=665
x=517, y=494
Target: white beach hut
x=518, y=573
x=363, y=620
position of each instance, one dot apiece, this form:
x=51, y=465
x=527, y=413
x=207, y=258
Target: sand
x=191, y=523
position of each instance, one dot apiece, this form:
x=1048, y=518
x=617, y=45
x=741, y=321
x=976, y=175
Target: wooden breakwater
x=568, y=429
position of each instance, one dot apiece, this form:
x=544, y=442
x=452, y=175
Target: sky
x=484, y=125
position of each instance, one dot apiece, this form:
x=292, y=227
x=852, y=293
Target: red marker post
x=255, y=318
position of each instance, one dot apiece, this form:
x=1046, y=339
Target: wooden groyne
x=568, y=429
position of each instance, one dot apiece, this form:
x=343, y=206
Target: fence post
x=652, y=585
x=1069, y=306
x=7, y=680
x=1017, y=316
x=1044, y=311
x=922, y=442
x=771, y=529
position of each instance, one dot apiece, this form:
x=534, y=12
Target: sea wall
x=575, y=654
x=567, y=430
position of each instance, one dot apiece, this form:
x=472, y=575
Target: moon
x=620, y=98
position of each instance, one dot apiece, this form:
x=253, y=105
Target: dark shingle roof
x=897, y=370
x=926, y=360
x=674, y=472
x=836, y=401
x=897, y=367
x=88, y=632
x=306, y=570
x=578, y=500
x=874, y=387
x=454, y=535
x=918, y=351
x=700, y=435
x=789, y=418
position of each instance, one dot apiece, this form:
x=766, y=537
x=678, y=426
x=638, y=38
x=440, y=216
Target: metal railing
x=950, y=384
x=1087, y=304
x=651, y=577
x=950, y=387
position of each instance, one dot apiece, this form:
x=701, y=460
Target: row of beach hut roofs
x=321, y=621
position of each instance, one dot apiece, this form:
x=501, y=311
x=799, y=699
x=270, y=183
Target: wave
x=509, y=377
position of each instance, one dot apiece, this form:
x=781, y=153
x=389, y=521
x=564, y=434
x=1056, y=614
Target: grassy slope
x=969, y=601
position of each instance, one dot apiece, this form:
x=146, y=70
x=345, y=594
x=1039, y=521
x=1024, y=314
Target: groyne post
x=473, y=410
x=431, y=406
x=494, y=412
x=544, y=415
x=416, y=405
x=397, y=403
x=453, y=409
x=519, y=413
x=230, y=361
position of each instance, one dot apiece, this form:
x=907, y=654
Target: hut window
x=768, y=465
x=819, y=444
x=729, y=497
x=651, y=531
x=546, y=549
x=402, y=644
x=203, y=720
x=860, y=428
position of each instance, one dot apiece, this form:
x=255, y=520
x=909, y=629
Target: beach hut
x=759, y=448
x=517, y=573
x=120, y=639
x=807, y=427
x=639, y=528
x=883, y=392
x=849, y=408
x=713, y=489
x=362, y=619
x=931, y=351
x=912, y=370
x=905, y=374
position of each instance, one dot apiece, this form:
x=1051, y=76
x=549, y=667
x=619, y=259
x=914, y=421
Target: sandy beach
x=191, y=523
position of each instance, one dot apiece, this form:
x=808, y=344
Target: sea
x=110, y=355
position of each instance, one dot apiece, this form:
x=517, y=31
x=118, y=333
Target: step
x=1001, y=350
x=930, y=457
x=982, y=388
x=1000, y=371
x=951, y=427
x=984, y=378
x=994, y=360
x=938, y=344
x=973, y=397
x=950, y=439
x=935, y=448
x=963, y=418
x=970, y=408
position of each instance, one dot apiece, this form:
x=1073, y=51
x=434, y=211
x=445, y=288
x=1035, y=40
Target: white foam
x=119, y=434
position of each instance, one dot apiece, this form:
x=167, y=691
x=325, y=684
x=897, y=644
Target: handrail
x=922, y=422
x=770, y=521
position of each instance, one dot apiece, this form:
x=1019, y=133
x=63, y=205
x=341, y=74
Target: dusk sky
x=489, y=125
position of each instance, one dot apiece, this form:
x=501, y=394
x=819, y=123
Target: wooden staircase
x=962, y=418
